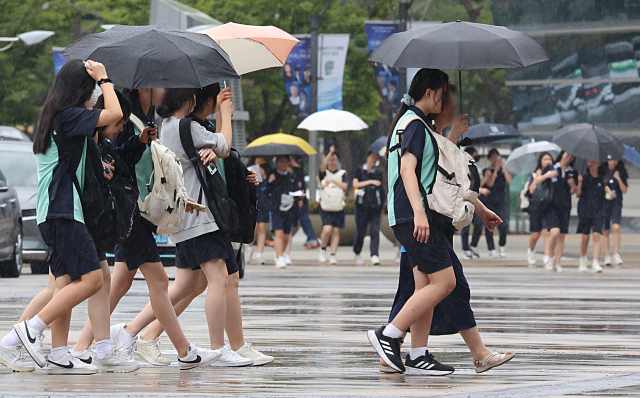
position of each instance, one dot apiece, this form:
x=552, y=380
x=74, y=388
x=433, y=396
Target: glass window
x=20, y=168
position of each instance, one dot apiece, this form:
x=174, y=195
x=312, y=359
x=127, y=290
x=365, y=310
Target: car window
x=20, y=168
x=2, y=178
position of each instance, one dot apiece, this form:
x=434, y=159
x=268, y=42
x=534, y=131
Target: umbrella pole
x=460, y=89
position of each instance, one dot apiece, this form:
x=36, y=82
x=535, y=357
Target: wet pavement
x=575, y=334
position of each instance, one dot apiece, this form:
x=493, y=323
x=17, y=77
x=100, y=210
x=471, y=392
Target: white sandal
x=486, y=364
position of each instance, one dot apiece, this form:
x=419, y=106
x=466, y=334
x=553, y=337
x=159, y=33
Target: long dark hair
x=203, y=94
x=173, y=100
x=620, y=168
x=425, y=79
x=542, y=155
x=125, y=105
x=72, y=88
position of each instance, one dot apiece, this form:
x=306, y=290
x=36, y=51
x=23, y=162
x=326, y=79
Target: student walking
x=616, y=178
x=591, y=213
x=470, y=251
x=334, y=184
x=497, y=180
x=280, y=184
x=535, y=217
x=370, y=199
x=411, y=166
x=303, y=207
x=73, y=257
x=262, y=222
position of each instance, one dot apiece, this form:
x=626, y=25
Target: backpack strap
x=137, y=122
x=64, y=153
x=187, y=144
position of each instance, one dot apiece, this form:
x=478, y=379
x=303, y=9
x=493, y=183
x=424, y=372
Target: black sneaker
x=387, y=347
x=426, y=365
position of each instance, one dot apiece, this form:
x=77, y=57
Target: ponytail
x=425, y=79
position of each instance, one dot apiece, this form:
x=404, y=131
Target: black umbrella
x=590, y=142
x=155, y=56
x=459, y=46
x=379, y=146
x=485, y=133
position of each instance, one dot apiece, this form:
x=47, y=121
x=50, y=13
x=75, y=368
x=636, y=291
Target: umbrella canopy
x=485, y=133
x=631, y=155
x=252, y=48
x=459, y=46
x=590, y=142
x=333, y=120
x=379, y=146
x=155, y=56
x=278, y=144
x=524, y=159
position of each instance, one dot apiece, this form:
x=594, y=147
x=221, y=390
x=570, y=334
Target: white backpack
x=166, y=203
x=456, y=182
x=332, y=197
x=524, y=196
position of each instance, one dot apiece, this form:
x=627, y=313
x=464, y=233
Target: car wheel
x=240, y=261
x=13, y=267
x=39, y=267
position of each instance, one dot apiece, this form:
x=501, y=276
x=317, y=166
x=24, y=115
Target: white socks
x=417, y=352
x=392, y=331
x=103, y=348
x=10, y=340
x=37, y=324
x=59, y=352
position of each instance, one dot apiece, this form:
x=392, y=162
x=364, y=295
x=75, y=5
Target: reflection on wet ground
x=575, y=335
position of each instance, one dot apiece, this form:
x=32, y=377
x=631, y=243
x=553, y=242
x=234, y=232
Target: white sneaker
x=398, y=254
x=281, y=263
x=503, y=252
x=474, y=252
x=85, y=356
x=115, y=362
x=548, y=265
x=231, y=358
x=198, y=357
x=259, y=259
x=149, y=350
x=69, y=365
x=123, y=341
x=375, y=260
x=607, y=261
x=359, y=260
x=617, y=260
x=258, y=358
x=13, y=358
x=467, y=256
x=584, y=263
x=32, y=341
x=332, y=260
x=287, y=259
x=595, y=266
x=249, y=250
x=531, y=257
x=559, y=268
x=323, y=256
x=493, y=254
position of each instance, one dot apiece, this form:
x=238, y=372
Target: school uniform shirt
x=591, y=200
x=362, y=174
x=561, y=189
x=416, y=142
x=78, y=125
x=613, y=183
x=207, y=124
x=193, y=225
x=497, y=197
x=323, y=174
x=282, y=185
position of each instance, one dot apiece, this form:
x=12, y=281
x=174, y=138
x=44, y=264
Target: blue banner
x=387, y=77
x=58, y=60
x=296, y=74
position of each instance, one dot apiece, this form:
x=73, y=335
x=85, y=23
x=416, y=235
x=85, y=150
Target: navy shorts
x=615, y=214
x=263, y=215
x=557, y=217
x=71, y=248
x=595, y=224
x=140, y=247
x=195, y=251
x=102, y=256
x=535, y=221
x=429, y=257
x=281, y=221
x=333, y=218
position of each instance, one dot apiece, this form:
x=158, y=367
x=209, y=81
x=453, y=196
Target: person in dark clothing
x=262, y=170
x=535, y=218
x=334, y=184
x=370, y=199
x=591, y=213
x=478, y=225
x=616, y=178
x=280, y=183
x=496, y=179
x=303, y=208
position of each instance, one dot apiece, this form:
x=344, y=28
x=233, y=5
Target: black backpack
x=108, y=206
x=224, y=210
x=373, y=199
x=243, y=194
x=542, y=196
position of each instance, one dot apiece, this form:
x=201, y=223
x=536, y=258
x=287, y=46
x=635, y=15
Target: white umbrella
x=524, y=159
x=333, y=120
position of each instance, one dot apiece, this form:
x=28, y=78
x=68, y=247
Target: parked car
x=10, y=230
x=8, y=133
x=19, y=164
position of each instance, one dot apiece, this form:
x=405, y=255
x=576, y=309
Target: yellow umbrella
x=278, y=144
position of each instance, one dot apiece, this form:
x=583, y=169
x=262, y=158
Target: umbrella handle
x=460, y=90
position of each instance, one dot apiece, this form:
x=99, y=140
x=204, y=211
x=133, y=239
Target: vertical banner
x=387, y=77
x=58, y=60
x=296, y=73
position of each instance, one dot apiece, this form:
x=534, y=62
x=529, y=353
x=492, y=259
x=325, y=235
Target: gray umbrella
x=459, y=46
x=590, y=142
x=155, y=56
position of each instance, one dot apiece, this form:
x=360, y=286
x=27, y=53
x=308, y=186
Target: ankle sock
x=103, y=347
x=37, y=324
x=324, y=249
x=59, y=352
x=10, y=340
x=417, y=352
x=392, y=331
x=188, y=351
